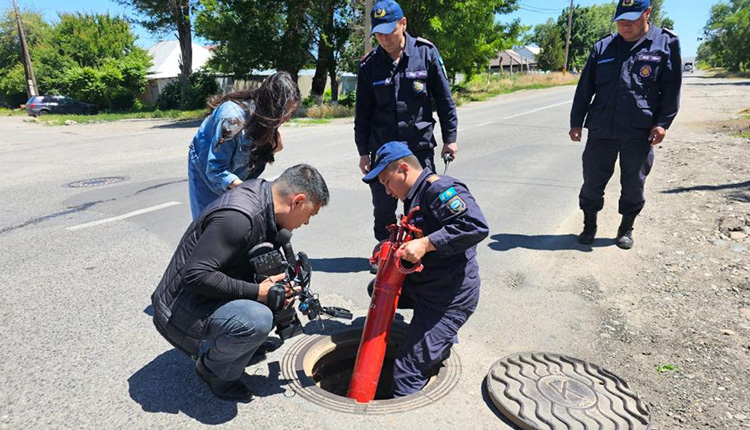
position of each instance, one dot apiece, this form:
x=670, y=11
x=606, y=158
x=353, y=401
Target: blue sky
x=689, y=15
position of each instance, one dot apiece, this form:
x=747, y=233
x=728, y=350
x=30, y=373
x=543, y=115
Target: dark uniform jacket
x=452, y=220
x=182, y=305
x=395, y=102
x=633, y=90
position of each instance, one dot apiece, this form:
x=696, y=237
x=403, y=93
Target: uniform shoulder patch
x=425, y=41
x=448, y=194
x=432, y=178
x=456, y=204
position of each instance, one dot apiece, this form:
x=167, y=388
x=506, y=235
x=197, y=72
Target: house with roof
x=510, y=61
x=165, y=56
x=529, y=52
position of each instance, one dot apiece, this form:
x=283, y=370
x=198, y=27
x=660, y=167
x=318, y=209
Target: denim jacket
x=219, y=167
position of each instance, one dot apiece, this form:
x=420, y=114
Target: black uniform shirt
x=452, y=220
x=394, y=100
x=634, y=89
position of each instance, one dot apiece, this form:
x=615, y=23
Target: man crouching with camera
x=208, y=304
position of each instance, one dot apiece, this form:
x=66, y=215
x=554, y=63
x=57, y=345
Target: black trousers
x=599, y=157
x=384, y=206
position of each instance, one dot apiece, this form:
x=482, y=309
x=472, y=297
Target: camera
x=267, y=260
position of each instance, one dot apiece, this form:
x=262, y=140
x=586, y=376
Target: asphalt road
x=79, y=264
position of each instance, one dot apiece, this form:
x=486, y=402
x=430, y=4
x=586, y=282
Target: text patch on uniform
x=416, y=74
x=383, y=82
x=605, y=60
x=447, y=194
x=648, y=57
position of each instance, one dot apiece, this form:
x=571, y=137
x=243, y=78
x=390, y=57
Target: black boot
x=589, y=228
x=234, y=391
x=625, y=232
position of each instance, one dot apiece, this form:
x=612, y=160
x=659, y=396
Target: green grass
x=724, y=73
x=742, y=134
x=664, y=368
x=12, y=112
x=175, y=114
x=302, y=122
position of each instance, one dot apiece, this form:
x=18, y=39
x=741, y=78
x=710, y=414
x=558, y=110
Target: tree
x=547, y=37
x=465, y=32
x=281, y=33
x=12, y=78
x=590, y=24
x=164, y=16
x=332, y=22
x=725, y=36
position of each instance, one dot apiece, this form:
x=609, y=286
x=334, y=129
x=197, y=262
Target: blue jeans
x=200, y=194
x=233, y=334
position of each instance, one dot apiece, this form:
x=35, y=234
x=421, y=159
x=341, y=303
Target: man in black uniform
x=208, y=295
x=397, y=84
x=635, y=76
x=446, y=292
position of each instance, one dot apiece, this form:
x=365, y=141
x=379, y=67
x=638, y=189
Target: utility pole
x=368, y=26
x=567, y=38
x=28, y=69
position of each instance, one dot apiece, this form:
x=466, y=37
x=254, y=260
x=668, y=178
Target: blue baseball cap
x=631, y=9
x=387, y=154
x=385, y=15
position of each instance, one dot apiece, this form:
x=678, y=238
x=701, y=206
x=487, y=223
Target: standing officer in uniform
x=635, y=76
x=446, y=292
x=396, y=86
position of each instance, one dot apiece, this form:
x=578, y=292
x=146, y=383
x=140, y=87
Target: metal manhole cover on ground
x=95, y=182
x=543, y=391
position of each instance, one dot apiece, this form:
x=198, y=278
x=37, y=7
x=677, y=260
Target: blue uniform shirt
x=219, y=167
x=634, y=89
x=452, y=220
x=394, y=101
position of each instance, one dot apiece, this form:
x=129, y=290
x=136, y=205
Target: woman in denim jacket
x=237, y=139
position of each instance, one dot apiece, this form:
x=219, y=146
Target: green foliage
x=465, y=32
x=92, y=58
x=726, y=34
x=664, y=368
x=201, y=86
x=349, y=99
x=590, y=24
x=552, y=55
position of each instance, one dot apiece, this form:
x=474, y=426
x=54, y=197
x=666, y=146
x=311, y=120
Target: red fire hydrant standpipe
x=385, y=294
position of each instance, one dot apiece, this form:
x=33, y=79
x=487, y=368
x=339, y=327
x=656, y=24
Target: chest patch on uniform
x=416, y=74
x=605, y=60
x=645, y=71
x=448, y=194
x=418, y=86
x=456, y=204
x=648, y=57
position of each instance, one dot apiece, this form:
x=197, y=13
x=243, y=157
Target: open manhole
x=320, y=368
x=95, y=182
x=544, y=391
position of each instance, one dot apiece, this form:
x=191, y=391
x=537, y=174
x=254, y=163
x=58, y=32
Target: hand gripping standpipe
x=390, y=278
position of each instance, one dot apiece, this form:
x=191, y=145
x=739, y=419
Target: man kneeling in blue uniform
x=446, y=292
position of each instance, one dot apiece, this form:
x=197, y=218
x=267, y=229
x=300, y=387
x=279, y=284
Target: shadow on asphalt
x=720, y=83
x=745, y=185
x=340, y=264
x=545, y=242
x=168, y=384
x=488, y=402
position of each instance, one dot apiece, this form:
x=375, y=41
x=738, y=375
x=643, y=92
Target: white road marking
x=485, y=123
x=537, y=110
x=123, y=216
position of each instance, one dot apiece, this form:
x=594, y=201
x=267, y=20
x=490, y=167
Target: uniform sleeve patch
x=448, y=194
x=456, y=205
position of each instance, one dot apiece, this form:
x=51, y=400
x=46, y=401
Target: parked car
x=688, y=67
x=42, y=105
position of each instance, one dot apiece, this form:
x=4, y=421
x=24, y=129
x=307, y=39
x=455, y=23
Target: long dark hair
x=265, y=107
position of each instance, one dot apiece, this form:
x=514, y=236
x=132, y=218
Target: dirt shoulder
x=675, y=310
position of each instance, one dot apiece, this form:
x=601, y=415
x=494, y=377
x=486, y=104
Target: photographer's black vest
x=180, y=315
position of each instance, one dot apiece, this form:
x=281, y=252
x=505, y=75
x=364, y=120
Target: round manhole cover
x=543, y=391
x=95, y=182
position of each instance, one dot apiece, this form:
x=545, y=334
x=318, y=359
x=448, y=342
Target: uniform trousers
x=599, y=157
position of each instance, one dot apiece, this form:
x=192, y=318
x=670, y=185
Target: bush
x=329, y=111
x=122, y=100
x=201, y=86
x=349, y=99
